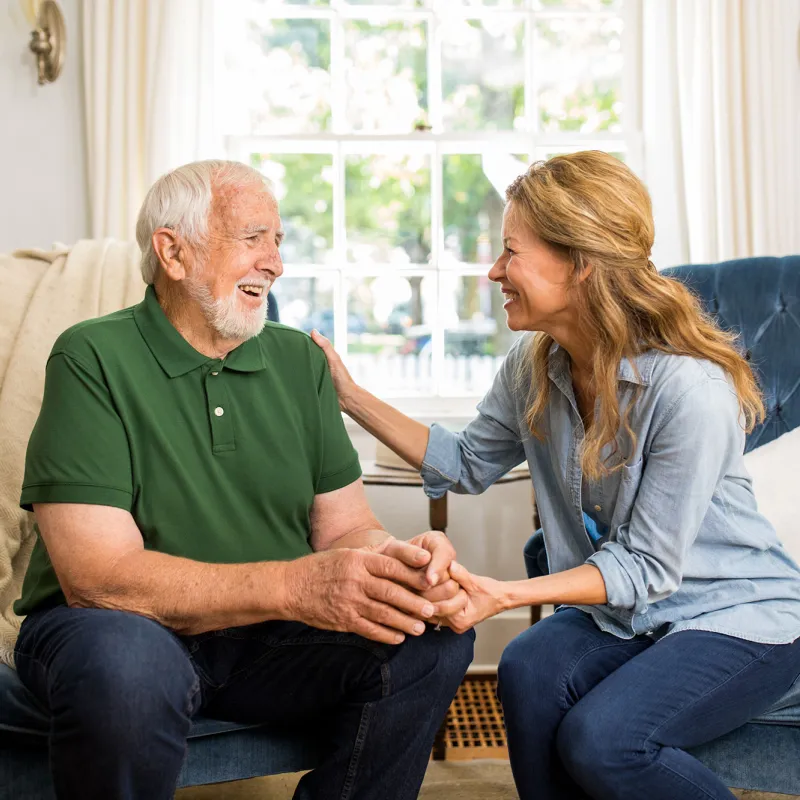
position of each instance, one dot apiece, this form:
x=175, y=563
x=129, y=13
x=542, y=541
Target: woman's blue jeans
x=590, y=715
x=122, y=691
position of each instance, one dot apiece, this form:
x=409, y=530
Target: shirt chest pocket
x=621, y=489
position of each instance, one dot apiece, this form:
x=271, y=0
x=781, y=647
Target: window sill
x=450, y=411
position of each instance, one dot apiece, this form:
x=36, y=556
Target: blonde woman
x=678, y=607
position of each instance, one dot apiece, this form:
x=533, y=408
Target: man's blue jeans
x=122, y=690
x=590, y=715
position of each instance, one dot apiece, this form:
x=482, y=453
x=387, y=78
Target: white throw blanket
x=41, y=295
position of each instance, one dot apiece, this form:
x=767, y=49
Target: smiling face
x=231, y=281
x=534, y=278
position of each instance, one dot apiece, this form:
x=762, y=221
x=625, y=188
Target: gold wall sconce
x=49, y=41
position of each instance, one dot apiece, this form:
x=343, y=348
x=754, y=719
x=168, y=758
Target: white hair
x=181, y=200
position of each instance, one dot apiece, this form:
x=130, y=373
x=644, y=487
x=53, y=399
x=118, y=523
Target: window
x=390, y=132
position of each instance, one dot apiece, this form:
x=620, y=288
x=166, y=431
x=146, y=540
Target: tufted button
x=748, y=354
x=715, y=304
x=781, y=304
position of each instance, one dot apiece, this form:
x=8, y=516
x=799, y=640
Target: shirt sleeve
x=78, y=451
x=689, y=455
x=470, y=461
x=340, y=464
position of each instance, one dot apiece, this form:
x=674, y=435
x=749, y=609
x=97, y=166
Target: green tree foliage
x=388, y=198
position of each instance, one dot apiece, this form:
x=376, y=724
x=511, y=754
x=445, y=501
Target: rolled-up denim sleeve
x=470, y=461
x=689, y=454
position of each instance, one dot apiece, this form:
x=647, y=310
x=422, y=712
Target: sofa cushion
x=774, y=468
x=21, y=713
x=786, y=711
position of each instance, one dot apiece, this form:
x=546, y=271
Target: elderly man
x=205, y=542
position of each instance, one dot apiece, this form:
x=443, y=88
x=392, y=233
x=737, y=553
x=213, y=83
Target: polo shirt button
x=219, y=411
x=598, y=508
x=215, y=373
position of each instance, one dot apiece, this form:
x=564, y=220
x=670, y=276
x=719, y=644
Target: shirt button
x=215, y=373
x=598, y=508
x=219, y=411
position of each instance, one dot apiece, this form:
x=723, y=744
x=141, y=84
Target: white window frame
x=436, y=143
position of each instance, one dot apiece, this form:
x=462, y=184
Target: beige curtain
x=148, y=82
x=721, y=122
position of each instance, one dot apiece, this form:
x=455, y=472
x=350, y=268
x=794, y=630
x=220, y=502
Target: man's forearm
x=188, y=596
x=359, y=538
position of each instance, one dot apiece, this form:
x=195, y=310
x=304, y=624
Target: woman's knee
x=593, y=742
x=538, y=658
x=581, y=740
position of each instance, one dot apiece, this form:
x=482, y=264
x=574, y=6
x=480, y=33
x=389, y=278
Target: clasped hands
x=389, y=590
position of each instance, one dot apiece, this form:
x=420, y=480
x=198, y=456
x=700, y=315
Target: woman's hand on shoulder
x=342, y=380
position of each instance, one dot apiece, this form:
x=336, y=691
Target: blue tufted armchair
x=759, y=298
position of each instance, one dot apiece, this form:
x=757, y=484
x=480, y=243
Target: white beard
x=224, y=314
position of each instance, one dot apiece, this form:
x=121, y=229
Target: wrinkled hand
x=483, y=598
x=342, y=380
x=433, y=551
x=442, y=554
x=448, y=597
x=360, y=591
x=446, y=593
x=409, y=552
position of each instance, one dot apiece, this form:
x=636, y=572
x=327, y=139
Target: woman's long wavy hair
x=591, y=208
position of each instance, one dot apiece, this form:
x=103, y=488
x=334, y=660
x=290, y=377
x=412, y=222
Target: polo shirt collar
x=175, y=355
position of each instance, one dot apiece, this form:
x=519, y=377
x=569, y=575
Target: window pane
x=579, y=73
x=303, y=186
x=476, y=335
x=398, y=3
x=306, y=303
x=445, y=5
x=386, y=71
x=473, y=211
x=277, y=74
x=387, y=209
x=483, y=73
x=389, y=330
x=589, y=5
x=279, y=3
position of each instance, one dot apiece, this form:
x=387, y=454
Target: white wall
x=43, y=196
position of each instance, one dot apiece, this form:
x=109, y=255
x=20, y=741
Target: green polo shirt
x=217, y=461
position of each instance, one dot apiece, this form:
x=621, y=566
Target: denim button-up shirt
x=683, y=545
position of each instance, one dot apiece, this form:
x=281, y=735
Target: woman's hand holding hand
x=479, y=598
x=342, y=380
x=442, y=554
